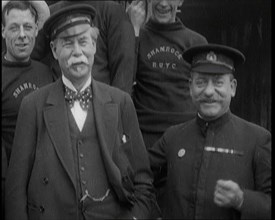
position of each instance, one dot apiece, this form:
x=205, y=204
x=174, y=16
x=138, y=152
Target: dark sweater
x=161, y=94
x=18, y=80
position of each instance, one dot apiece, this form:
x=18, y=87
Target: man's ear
x=3, y=31
x=94, y=32
x=53, y=47
x=181, y=2
x=233, y=85
x=36, y=30
x=94, y=46
x=190, y=81
x=190, y=84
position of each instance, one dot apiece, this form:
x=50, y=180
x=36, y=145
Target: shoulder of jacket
x=248, y=126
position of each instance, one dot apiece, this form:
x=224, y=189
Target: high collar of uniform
x=204, y=125
x=165, y=27
x=15, y=63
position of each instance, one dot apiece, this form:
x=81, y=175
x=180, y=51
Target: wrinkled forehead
x=174, y=2
x=19, y=15
x=195, y=74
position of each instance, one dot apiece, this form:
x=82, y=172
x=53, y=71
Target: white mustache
x=74, y=60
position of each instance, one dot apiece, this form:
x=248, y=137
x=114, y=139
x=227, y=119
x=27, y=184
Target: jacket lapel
x=106, y=120
x=56, y=120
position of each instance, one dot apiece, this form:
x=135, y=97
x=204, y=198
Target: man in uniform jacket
x=218, y=165
x=78, y=151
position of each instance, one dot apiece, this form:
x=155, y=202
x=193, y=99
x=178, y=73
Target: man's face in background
x=19, y=31
x=164, y=11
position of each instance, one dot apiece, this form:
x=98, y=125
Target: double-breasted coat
x=41, y=181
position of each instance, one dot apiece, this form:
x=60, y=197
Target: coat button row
x=41, y=209
x=45, y=180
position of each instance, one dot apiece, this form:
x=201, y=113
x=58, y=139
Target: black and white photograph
x=137, y=109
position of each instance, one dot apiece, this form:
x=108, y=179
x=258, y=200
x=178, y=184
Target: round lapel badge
x=181, y=152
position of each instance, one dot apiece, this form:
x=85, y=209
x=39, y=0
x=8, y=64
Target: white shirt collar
x=69, y=84
x=200, y=115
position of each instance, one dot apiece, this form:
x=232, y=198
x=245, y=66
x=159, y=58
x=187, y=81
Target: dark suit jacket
x=40, y=180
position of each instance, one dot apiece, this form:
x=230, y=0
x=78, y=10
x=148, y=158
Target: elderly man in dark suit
x=218, y=165
x=78, y=152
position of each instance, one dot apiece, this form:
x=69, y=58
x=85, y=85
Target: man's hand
x=228, y=194
x=137, y=14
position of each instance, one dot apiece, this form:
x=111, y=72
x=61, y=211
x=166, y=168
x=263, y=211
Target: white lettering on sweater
x=162, y=65
x=164, y=49
x=24, y=87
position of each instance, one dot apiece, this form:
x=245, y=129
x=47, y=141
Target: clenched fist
x=228, y=194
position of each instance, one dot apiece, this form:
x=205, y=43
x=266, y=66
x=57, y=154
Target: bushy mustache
x=74, y=60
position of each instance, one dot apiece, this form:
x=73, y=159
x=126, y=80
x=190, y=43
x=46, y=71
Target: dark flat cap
x=213, y=58
x=67, y=14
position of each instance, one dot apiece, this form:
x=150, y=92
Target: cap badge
x=181, y=152
x=211, y=56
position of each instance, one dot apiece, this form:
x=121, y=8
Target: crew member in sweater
x=115, y=60
x=218, y=165
x=21, y=21
x=161, y=93
x=20, y=74
x=78, y=151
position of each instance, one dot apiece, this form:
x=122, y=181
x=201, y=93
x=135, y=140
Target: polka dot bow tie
x=83, y=97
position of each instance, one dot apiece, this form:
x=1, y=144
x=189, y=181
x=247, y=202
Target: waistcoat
x=96, y=199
